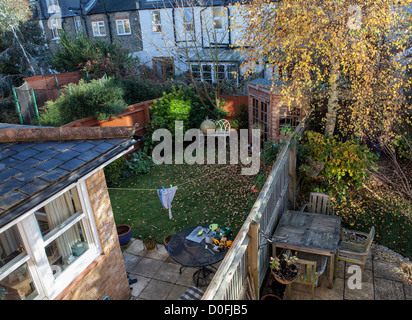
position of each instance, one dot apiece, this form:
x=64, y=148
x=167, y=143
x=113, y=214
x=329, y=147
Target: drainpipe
x=108, y=21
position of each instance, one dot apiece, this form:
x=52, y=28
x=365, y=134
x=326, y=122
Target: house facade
x=112, y=21
x=58, y=238
x=172, y=37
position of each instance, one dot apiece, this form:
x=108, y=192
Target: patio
x=158, y=278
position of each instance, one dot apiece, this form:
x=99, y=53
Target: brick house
x=58, y=237
x=113, y=21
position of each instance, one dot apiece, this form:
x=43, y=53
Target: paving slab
x=169, y=272
x=146, y=267
x=383, y=269
x=388, y=290
x=156, y=290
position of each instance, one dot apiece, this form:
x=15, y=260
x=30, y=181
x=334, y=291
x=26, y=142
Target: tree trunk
x=24, y=51
x=333, y=102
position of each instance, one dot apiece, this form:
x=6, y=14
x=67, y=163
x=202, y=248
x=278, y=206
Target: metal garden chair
x=354, y=252
x=319, y=203
x=309, y=273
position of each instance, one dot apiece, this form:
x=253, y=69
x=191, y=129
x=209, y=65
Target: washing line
x=179, y=185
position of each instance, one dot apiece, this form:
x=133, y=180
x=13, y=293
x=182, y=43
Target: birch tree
x=12, y=15
x=335, y=50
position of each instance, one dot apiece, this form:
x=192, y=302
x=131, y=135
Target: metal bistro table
x=191, y=250
x=308, y=232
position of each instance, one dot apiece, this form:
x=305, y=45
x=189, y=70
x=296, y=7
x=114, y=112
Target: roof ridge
x=64, y=133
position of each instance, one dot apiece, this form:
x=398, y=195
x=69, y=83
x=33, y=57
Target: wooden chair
x=354, y=252
x=319, y=203
x=309, y=273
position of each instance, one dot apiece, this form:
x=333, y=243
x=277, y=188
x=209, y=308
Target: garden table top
x=309, y=232
x=190, y=250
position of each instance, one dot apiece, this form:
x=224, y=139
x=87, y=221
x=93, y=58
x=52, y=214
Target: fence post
x=35, y=105
x=17, y=106
x=292, y=176
x=252, y=254
x=57, y=84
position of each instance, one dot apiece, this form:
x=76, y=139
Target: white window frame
x=227, y=76
x=34, y=243
x=121, y=22
x=156, y=26
x=78, y=24
x=218, y=17
x=100, y=24
x=52, y=6
x=188, y=24
x=55, y=29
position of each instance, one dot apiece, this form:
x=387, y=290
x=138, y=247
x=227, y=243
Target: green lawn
x=206, y=194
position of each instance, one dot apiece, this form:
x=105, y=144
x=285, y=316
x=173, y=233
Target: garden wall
x=139, y=113
x=233, y=104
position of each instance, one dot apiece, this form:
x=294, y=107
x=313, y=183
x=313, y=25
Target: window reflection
x=18, y=285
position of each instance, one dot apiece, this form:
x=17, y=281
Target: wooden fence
x=136, y=113
x=250, y=251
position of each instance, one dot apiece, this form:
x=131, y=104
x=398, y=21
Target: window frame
x=188, y=24
x=34, y=243
x=216, y=75
x=218, y=17
x=51, y=6
x=55, y=29
x=156, y=25
x=121, y=22
x=78, y=26
x=98, y=22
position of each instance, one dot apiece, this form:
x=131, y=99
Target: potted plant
x=124, y=232
x=149, y=241
x=284, y=269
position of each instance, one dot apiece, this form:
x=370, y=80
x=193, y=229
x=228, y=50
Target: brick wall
x=131, y=43
x=107, y=275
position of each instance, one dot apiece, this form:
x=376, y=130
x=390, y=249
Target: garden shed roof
x=37, y=162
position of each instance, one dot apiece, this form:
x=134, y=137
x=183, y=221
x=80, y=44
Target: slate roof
x=69, y=8
x=32, y=168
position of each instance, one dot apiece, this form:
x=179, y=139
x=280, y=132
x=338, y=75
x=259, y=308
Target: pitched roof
x=36, y=163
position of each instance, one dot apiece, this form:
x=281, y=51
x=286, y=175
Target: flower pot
x=124, y=232
x=175, y=246
x=286, y=274
x=166, y=241
x=149, y=244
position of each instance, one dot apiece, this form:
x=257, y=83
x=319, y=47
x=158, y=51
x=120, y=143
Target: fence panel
x=230, y=279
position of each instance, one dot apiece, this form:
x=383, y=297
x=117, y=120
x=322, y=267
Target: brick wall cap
x=64, y=133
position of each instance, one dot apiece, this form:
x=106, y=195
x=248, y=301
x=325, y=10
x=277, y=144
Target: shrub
x=95, y=57
x=101, y=99
x=345, y=164
x=137, y=89
x=182, y=104
x=140, y=163
x=115, y=171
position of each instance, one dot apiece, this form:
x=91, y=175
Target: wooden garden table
x=308, y=232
